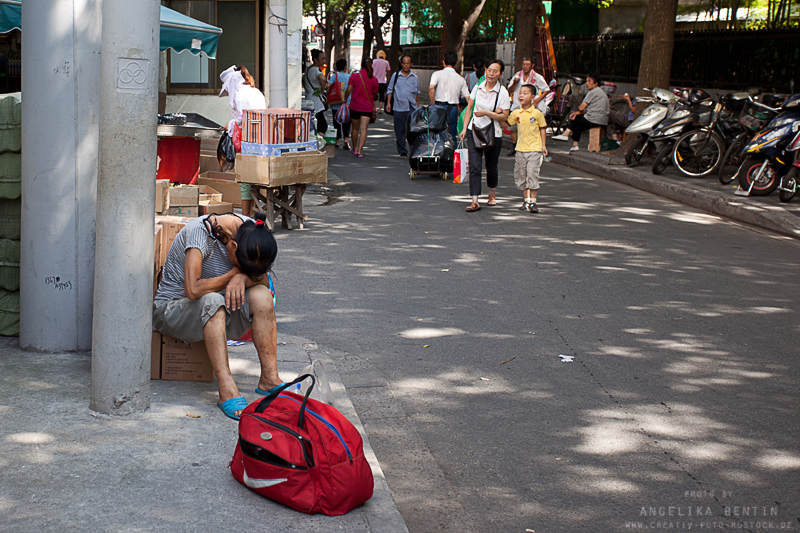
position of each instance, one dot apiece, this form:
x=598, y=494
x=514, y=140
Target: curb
x=776, y=220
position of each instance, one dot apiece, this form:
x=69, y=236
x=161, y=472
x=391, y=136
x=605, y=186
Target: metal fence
x=724, y=60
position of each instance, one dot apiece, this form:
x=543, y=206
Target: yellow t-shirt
x=528, y=137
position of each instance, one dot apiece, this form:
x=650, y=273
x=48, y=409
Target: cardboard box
x=183, y=195
x=158, y=241
x=225, y=183
x=162, y=187
x=184, y=211
x=209, y=194
x=288, y=169
x=184, y=362
x=155, y=356
x=219, y=208
x=171, y=226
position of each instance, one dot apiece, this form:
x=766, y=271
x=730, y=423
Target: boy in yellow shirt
x=530, y=147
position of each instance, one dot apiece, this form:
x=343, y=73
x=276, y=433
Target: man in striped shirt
x=215, y=287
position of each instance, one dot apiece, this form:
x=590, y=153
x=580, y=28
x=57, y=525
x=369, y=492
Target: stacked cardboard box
x=183, y=201
x=225, y=183
x=10, y=210
x=171, y=358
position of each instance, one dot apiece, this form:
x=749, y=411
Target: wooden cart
x=279, y=182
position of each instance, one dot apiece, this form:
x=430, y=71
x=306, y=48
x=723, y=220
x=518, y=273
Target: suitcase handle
x=266, y=400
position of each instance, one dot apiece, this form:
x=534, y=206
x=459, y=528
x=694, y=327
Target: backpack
x=302, y=453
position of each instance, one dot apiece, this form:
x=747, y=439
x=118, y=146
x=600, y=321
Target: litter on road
x=566, y=358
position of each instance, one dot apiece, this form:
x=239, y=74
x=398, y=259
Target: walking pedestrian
x=342, y=130
x=476, y=76
x=240, y=87
x=527, y=76
x=380, y=68
x=488, y=104
x=316, y=87
x=446, y=88
x=592, y=113
x=361, y=90
x=215, y=286
x=402, y=98
x=531, y=146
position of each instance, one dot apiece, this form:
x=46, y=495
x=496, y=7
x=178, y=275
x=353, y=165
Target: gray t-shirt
x=215, y=259
x=596, y=106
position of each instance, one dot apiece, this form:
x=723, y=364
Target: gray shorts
x=185, y=319
x=512, y=127
x=526, y=170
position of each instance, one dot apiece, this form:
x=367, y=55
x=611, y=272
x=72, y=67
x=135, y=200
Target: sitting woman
x=592, y=113
x=215, y=286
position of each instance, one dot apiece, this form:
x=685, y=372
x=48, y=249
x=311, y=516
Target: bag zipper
x=328, y=424
x=303, y=441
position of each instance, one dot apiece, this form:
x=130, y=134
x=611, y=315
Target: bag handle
x=266, y=400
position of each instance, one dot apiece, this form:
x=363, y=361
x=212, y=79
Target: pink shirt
x=359, y=100
x=379, y=69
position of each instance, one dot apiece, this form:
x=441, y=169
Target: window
x=240, y=21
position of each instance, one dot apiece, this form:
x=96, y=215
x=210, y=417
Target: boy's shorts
x=512, y=127
x=185, y=319
x=245, y=189
x=526, y=169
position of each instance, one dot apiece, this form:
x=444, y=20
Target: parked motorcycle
x=788, y=186
x=766, y=155
x=691, y=109
x=644, y=124
x=754, y=115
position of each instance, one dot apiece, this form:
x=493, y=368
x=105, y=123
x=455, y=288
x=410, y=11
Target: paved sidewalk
x=65, y=468
x=703, y=193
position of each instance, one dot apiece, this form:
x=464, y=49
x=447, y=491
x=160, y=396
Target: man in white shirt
x=447, y=87
x=527, y=76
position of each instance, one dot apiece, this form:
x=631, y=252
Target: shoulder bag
x=394, y=97
x=374, y=116
x=483, y=137
x=335, y=95
x=317, y=91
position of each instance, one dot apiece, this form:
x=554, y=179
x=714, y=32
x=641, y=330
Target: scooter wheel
x=765, y=184
x=788, y=186
x=635, y=152
x=663, y=159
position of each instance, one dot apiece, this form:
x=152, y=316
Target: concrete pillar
x=123, y=288
x=278, y=80
x=294, y=52
x=61, y=92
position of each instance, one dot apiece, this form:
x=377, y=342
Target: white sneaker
x=560, y=138
x=574, y=149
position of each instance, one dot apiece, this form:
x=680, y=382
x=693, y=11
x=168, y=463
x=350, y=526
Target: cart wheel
x=444, y=175
x=411, y=174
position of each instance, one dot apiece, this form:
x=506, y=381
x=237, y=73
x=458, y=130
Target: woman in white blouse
x=488, y=103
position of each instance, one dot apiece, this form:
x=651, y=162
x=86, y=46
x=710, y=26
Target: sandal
x=229, y=407
x=270, y=391
x=352, y=151
x=474, y=206
x=360, y=155
x=492, y=201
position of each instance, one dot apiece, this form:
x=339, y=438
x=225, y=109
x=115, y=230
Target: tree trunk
x=341, y=39
x=656, y=63
x=366, y=51
x=394, y=51
x=458, y=26
x=330, y=18
x=380, y=44
x=527, y=11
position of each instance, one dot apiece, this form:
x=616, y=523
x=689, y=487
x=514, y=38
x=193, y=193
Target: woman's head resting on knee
x=253, y=249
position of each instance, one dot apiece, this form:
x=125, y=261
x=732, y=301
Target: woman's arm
x=195, y=287
x=501, y=116
x=467, y=117
x=323, y=83
x=348, y=92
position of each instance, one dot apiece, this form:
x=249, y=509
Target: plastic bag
x=431, y=118
x=322, y=390
x=226, y=153
x=343, y=114
x=439, y=144
x=237, y=138
x=461, y=163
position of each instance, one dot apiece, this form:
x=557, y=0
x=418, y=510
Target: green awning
x=178, y=32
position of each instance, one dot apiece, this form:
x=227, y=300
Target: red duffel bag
x=302, y=453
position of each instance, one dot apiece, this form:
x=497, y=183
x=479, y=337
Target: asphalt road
x=679, y=411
